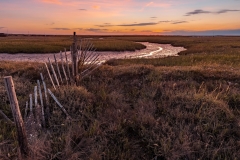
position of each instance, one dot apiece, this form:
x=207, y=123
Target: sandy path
x=153, y=50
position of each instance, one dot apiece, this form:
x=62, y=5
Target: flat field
x=55, y=44
x=184, y=107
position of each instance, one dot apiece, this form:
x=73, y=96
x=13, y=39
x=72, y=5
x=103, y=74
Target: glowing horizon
x=125, y=17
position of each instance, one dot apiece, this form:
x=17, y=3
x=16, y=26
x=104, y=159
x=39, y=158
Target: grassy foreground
x=183, y=107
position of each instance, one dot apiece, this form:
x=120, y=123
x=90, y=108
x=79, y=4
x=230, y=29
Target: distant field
x=200, y=51
x=54, y=44
x=213, y=45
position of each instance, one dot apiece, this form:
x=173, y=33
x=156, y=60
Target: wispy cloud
x=202, y=33
x=2, y=27
x=96, y=30
x=82, y=9
x=128, y=25
x=61, y=29
x=179, y=22
x=138, y=24
x=227, y=10
x=153, y=17
x=164, y=21
x=141, y=24
x=104, y=25
x=199, y=11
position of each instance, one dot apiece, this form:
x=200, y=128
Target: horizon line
x=164, y=34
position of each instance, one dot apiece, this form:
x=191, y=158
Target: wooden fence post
x=59, y=104
x=50, y=76
x=63, y=68
x=53, y=71
x=21, y=131
x=58, y=70
x=68, y=70
x=31, y=104
x=74, y=57
x=41, y=101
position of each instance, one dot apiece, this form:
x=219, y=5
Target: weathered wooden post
x=21, y=131
x=74, y=57
x=41, y=101
x=68, y=70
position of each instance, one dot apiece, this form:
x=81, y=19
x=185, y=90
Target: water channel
x=152, y=50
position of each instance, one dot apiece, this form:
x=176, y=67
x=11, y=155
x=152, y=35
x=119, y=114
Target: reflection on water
x=152, y=50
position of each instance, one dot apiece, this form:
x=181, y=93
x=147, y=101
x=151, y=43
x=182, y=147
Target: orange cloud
x=96, y=7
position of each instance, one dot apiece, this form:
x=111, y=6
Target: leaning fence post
x=50, y=76
x=37, y=107
x=31, y=104
x=21, y=131
x=58, y=70
x=69, y=76
x=41, y=101
x=46, y=97
x=59, y=104
x=44, y=87
x=63, y=68
x=53, y=71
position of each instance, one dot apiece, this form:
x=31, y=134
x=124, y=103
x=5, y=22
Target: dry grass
x=135, y=112
x=200, y=51
x=183, y=107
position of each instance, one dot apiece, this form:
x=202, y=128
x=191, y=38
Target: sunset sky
x=149, y=17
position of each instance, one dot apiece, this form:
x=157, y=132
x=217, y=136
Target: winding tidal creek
x=152, y=50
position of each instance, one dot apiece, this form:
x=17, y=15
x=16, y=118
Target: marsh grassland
x=184, y=107
x=53, y=44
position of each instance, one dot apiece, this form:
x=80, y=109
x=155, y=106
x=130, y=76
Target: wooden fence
x=67, y=71
x=84, y=60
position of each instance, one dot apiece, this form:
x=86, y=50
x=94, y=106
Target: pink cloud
x=154, y=4
x=52, y=1
x=91, y=3
x=149, y=4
